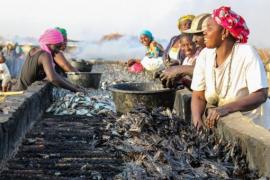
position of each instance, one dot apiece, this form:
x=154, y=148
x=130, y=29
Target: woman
x=61, y=63
x=153, y=56
x=228, y=73
x=172, y=75
x=39, y=63
x=173, y=54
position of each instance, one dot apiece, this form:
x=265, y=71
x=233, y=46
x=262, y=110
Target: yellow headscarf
x=184, y=18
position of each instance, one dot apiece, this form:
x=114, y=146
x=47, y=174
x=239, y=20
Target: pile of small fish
x=158, y=145
x=82, y=104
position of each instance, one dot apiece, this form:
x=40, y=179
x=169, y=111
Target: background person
x=5, y=76
x=173, y=55
x=173, y=75
x=153, y=56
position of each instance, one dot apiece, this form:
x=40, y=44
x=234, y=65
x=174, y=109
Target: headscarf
x=50, y=36
x=62, y=30
x=148, y=34
x=233, y=22
x=184, y=18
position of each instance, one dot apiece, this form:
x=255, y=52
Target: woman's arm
x=247, y=103
x=46, y=61
x=198, y=104
x=63, y=63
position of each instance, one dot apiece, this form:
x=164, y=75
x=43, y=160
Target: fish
x=162, y=146
x=81, y=104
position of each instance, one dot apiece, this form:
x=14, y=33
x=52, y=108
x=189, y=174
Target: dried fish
x=169, y=148
x=154, y=144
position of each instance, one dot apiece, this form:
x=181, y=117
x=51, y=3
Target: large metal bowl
x=81, y=65
x=126, y=96
x=85, y=79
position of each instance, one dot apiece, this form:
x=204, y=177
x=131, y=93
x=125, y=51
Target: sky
x=90, y=19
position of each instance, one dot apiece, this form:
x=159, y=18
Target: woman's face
x=145, y=40
x=185, y=25
x=213, y=34
x=188, y=46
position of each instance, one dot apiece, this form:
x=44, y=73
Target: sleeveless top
x=31, y=71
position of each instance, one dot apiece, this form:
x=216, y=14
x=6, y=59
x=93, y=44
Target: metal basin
x=126, y=96
x=81, y=65
x=85, y=79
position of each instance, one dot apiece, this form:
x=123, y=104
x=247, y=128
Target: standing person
x=61, y=63
x=19, y=59
x=153, y=56
x=39, y=63
x=9, y=54
x=229, y=74
x=173, y=55
x=4, y=74
x=172, y=75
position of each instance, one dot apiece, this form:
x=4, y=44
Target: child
x=189, y=49
x=4, y=74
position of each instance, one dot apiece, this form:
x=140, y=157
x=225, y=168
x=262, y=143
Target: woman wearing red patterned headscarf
x=229, y=74
x=39, y=63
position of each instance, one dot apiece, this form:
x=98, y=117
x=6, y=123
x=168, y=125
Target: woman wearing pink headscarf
x=39, y=63
x=229, y=74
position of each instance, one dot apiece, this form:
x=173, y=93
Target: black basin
x=81, y=65
x=85, y=79
x=126, y=96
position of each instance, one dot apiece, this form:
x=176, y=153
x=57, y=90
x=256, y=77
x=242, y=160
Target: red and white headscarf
x=50, y=36
x=233, y=22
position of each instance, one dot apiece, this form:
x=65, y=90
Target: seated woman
x=154, y=51
x=172, y=75
x=39, y=63
x=228, y=73
x=61, y=63
x=173, y=54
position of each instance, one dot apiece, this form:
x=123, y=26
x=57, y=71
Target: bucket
x=127, y=96
x=85, y=79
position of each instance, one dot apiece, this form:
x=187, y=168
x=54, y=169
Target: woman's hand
x=198, y=123
x=213, y=115
x=170, y=76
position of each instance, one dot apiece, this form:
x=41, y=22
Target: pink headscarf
x=233, y=22
x=50, y=36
